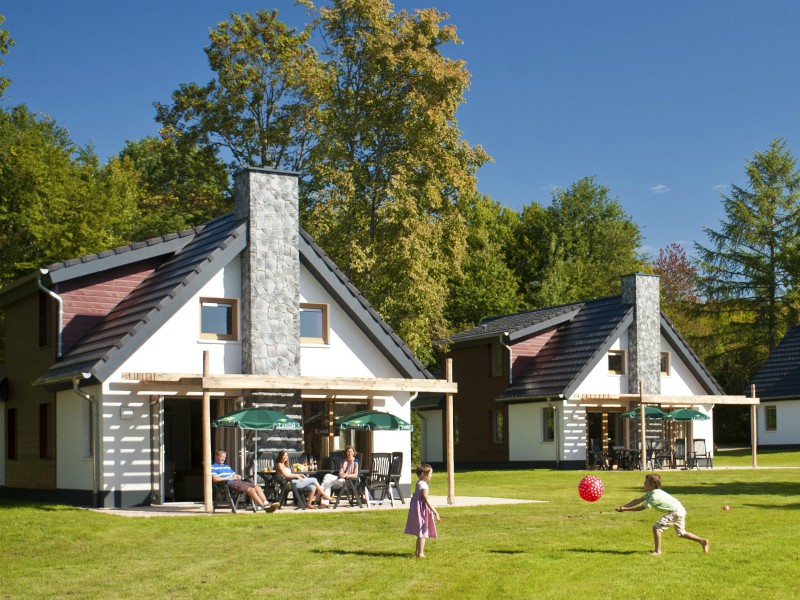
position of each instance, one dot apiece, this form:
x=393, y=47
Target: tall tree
x=576, y=248
x=260, y=109
x=391, y=167
x=181, y=186
x=486, y=284
x=750, y=270
x=5, y=43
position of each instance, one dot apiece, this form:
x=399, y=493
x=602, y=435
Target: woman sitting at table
x=303, y=482
x=348, y=470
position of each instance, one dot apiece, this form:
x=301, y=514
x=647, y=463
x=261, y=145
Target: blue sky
x=662, y=101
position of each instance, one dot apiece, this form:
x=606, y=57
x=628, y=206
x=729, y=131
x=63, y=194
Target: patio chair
x=395, y=471
x=662, y=458
x=700, y=453
x=376, y=484
x=597, y=457
x=351, y=489
x=225, y=497
x=679, y=454
x=335, y=460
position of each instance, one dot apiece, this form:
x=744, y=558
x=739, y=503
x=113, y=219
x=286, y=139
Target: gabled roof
x=584, y=332
x=779, y=377
x=569, y=354
x=197, y=255
x=206, y=249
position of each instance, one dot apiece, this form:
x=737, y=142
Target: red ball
x=591, y=488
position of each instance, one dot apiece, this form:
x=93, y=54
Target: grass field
x=561, y=548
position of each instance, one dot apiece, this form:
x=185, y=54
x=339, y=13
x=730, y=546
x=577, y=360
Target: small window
x=548, y=424
x=11, y=434
x=497, y=426
x=455, y=429
x=46, y=430
x=616, y=362
x=219, y=319
x=314, y=323
x=496, y=358
x=665, y=363
x=771, y=418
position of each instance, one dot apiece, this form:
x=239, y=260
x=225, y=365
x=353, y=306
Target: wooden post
x=753, y=426
x=644, y=432
x=448, y=418
x=207, y=491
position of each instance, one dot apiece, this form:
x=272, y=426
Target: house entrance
x=319, y=441
x=605, y=426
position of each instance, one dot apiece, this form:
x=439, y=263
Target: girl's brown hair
x=423, y=469
x=654, y=479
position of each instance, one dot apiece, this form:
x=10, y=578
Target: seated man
x=222, y=472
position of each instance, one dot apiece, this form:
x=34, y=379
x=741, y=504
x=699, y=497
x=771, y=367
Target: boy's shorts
x=672, y=519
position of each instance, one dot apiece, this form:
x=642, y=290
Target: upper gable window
x=314, y=325
x=665, y=363
x=616, y=362
x=219, y=319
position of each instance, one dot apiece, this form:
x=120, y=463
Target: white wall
x=599, y=381
x=680, y=381
x=74, y=462
x=432, y=438
x=788, y=423
x=350, y=353
x=526, y=432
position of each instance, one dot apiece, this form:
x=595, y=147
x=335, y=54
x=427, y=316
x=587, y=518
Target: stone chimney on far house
x=270, y=307
x=644, y=334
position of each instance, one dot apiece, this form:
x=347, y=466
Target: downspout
x=60, y=303
x=96, y=437
x=556, y=431
x=510, y=358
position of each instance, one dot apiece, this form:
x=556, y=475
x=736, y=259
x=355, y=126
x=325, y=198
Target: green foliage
x=261, y=107
x=576, y=248
x=181, y=186
x=750, y=270
x=486, y=284
x=5, y=43
x=55, y=201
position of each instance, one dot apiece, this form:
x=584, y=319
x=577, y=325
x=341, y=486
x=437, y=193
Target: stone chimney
x=644, y=334
x=270, y=306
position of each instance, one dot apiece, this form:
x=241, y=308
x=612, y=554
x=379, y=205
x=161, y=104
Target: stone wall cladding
x=644, y=334
x=270, y=306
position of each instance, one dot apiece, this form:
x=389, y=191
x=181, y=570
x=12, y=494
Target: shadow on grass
x=506, y=552
x=596, y=551
x=380, y=553
x=781, y=506
x=737, y=488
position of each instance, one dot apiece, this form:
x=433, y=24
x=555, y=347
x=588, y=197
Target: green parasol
x=687, y=414
x=372, y=420
x=650, y=412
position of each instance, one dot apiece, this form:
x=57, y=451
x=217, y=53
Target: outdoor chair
x=679, y=454
x=335, y=460
x=597, y=457
x=225, y=497
x=662, y=458
x=700, y=453
x=282, y=488
x=395, y=471
x=351, y=489
x=376, y=484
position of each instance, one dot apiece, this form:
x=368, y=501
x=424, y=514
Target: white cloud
x=659, y=189
x=721, y=188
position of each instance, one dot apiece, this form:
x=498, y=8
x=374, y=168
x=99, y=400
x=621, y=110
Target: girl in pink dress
x=421, y=512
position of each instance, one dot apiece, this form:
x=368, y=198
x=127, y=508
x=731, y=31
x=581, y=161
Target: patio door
x=606, y=426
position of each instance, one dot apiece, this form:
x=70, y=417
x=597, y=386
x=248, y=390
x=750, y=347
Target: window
x=455, y=429
x=665, y=363
x=497, y=426
x=44, y=320
x=314, y=323
x=548, y=424
x=46, y=430
x=771, y=418
x=11, y=434
x=616, y=362
x=219, y=319
x=496, y=359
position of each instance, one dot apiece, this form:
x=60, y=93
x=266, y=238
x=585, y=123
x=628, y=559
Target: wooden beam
x=449, y=433
x=207, y=487
x=604, y=399
x=365, y=385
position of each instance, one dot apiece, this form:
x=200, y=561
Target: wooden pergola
x=239, y=385
x=643, y=400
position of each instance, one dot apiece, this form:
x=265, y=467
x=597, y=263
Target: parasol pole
x=644, y=433
x=448, y=418
x=207, y=494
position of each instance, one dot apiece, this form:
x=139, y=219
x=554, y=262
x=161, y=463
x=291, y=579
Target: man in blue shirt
x=223, y=472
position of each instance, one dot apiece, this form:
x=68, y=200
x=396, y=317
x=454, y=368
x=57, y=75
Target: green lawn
x=563, y=548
